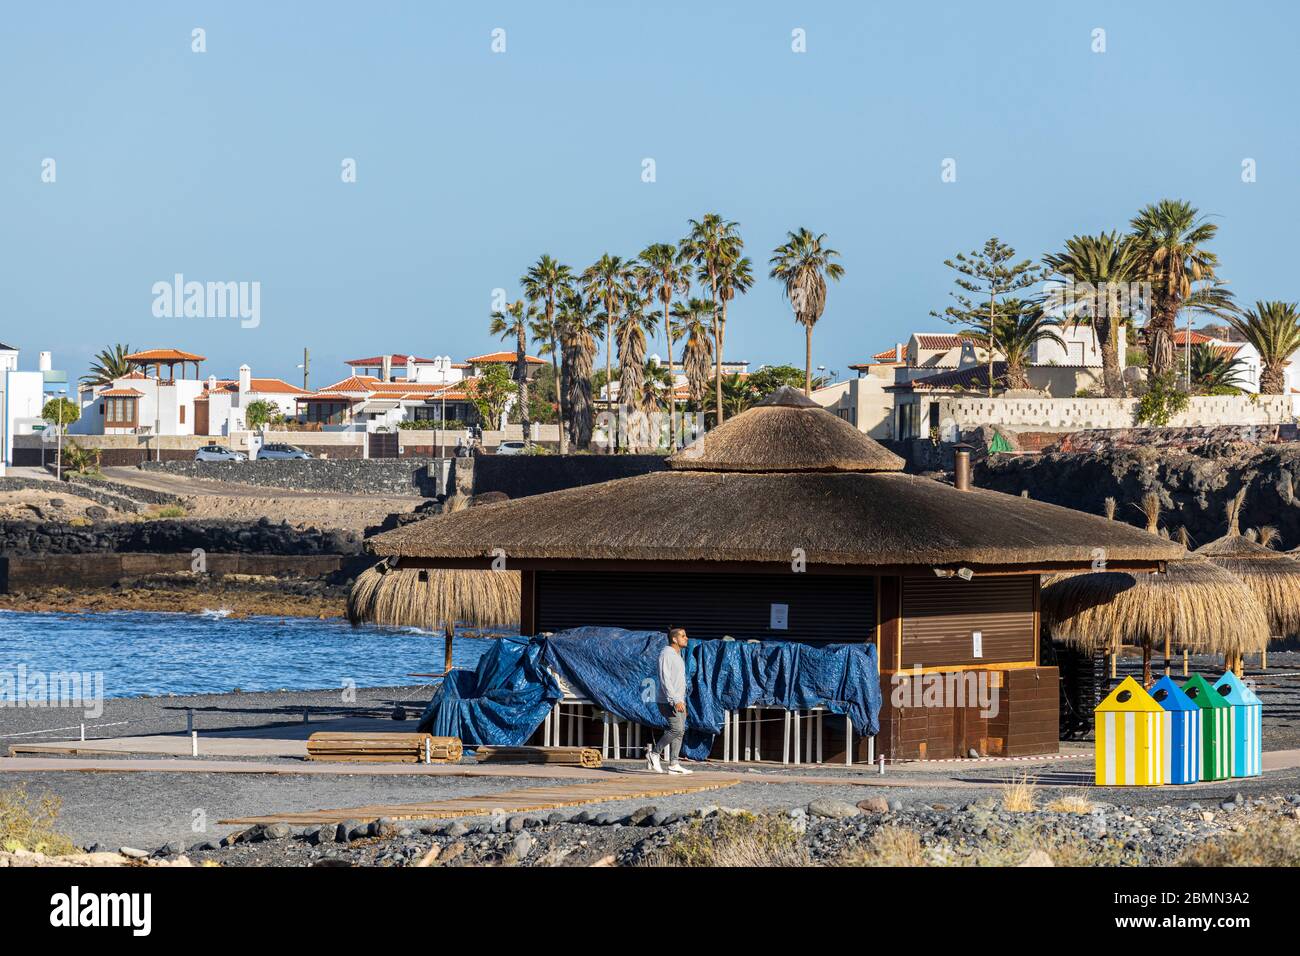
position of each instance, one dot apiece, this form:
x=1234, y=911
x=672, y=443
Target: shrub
x=170, y=511
x=1162, y=400
x=27, y=824
x=742, y=839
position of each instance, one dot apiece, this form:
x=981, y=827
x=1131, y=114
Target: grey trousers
x=673, y=733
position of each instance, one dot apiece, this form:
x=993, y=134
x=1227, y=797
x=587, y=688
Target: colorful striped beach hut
x=1245, y=724
x=1130, y=738
x=1216, y=739
x=1183, y=743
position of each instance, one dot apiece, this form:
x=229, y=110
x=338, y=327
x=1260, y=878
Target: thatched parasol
x=435, y=598
x=1194, y=604
x=1272, y=577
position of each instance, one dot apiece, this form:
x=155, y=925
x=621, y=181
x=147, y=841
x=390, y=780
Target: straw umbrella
x=1194, y=603
x=435, y=597
x=1272, y=577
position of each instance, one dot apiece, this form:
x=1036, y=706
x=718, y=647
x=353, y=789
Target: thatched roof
x=434, y=598
x=859, y=519
x=1195, y=605
x=1273, y=577
x=787, y=431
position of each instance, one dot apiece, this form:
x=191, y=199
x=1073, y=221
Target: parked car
x=278, y=452
x=218, y=453
x=511, y=448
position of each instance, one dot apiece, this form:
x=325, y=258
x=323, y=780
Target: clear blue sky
x=226, y=165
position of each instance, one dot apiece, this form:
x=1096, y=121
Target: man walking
x=672, y=704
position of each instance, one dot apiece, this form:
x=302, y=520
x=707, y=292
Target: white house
x=22, y=397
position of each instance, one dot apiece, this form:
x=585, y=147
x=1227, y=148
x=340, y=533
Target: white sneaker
x=678, y=768
x=652, y=762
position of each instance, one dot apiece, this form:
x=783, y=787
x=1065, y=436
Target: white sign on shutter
x=977, y=641
x=780, y=617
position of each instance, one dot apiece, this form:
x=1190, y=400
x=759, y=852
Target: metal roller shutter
x=941, y=616
x=829, y=609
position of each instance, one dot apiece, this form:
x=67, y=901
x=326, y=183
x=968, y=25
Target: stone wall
x=173, y=536
x=374, y=476
x=521, y=475
x=1077, y=414
x=33, y=573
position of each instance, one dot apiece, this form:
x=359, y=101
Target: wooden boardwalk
x=509, y=801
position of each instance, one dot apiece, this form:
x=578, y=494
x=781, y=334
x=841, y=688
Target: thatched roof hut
x=781, y=476
x=1271, y=576
x=434, y=598
x=786, y=523
x=1194, y=605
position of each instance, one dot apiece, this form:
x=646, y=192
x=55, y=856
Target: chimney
x=898, y=351
x=212, y=385
x=245, y=379
x=46, y=362
x=387, y=374
x=961, y=468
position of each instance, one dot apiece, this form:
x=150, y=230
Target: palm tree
x=608, y=280
x=660, y=274
x=1169, y=245
x=803, y=263
x=108, y=365
x=1274, y=329
x=579, y=326
x=545, y=282
x=714, y=247
x=1095, y=267
x=1017, y=328
x=513, y=323
x=695, y=321
x=737, y=394
x=1213, y=373
x=735, y=275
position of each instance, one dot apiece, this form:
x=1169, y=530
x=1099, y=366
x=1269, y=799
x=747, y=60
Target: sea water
x=154, y=653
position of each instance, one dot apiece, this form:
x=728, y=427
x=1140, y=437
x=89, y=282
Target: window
x=182, y=414
x=909, y=421
x=121, y=413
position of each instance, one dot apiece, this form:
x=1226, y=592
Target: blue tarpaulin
x=506, y=697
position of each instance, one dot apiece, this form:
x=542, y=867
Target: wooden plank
x=525, y=799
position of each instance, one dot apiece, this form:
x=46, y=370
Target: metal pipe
x=961, y=469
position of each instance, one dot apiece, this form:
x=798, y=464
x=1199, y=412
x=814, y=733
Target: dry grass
x=1195, y=604
x=28, y=824
x=434, y=598
x=1076, y=801
x=735, y=840
x=1020, y=795
x=889, y=846
x=1263, y=841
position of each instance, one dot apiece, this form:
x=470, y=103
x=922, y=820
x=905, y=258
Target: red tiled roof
x=1198, y=338
x=268, y=386
x=503, y=357
x=164, y=356
x=939, y=340
x=120, y=393
x=1226, y=351
x=378, y=360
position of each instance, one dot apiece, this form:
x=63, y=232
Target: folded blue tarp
x=505, y=699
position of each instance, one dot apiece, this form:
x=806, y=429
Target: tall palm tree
x=1274, y=329
x=695, y=322
x=735, y=276
x=804, y=264
x=1095, y=267
x=109, y=364
x=1213, y=373
x=513, y=324
x=608, y=280
x=713, y=246
x=1169, y=244
x=660, y=274
x=1017, y=327
x=544, y=283
x=579, y=327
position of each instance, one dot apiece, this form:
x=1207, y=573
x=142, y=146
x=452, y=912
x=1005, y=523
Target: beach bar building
x=788, y=524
